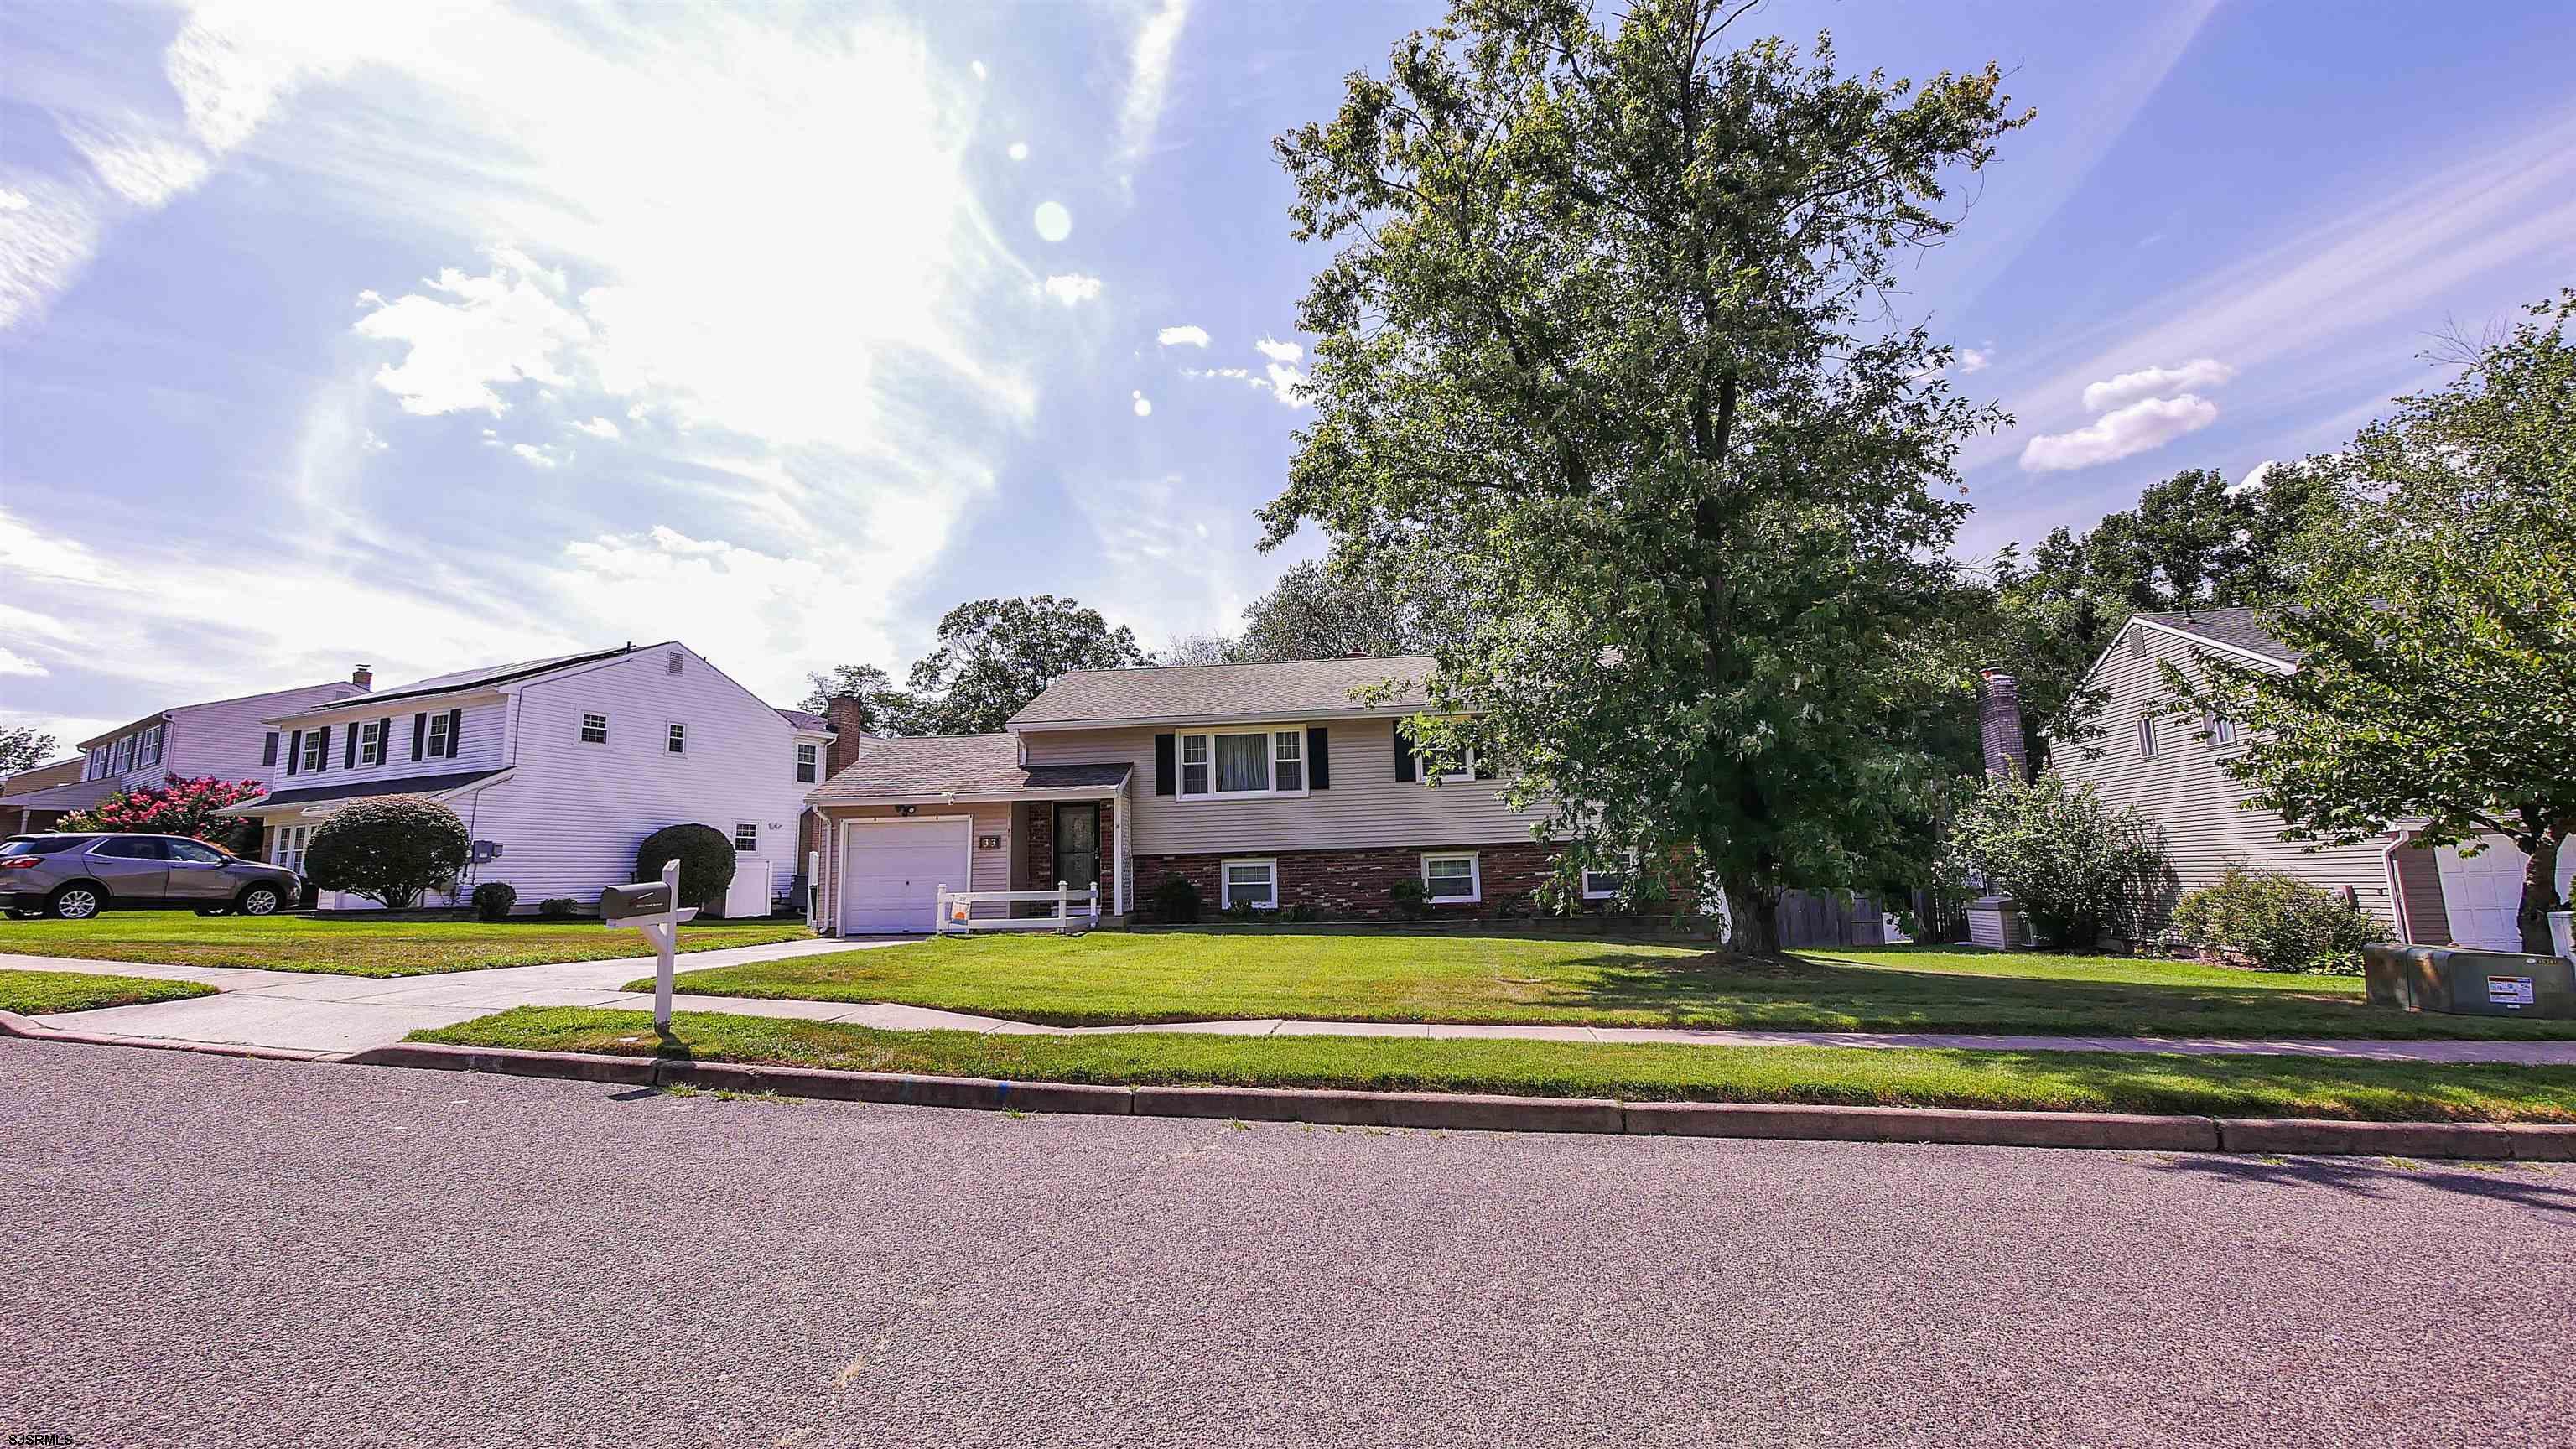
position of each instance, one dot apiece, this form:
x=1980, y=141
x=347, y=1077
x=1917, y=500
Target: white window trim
x=1226, y=867
x=1462, y=776
x=2147, y=749
x=683, y=727
x=1270, y=733
x=316, y=753
x=1589, y=872
x=440, y=743
x=371, y=742
x=2224, y=734
x=739, y=827
x=809, y=763
x=1475, y=877
x=147, y=747
x=581, y=727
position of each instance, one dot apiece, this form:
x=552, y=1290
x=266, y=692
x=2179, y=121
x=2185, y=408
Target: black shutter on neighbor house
x=419, y=734
x=268, y=749
x=455, y=727
x=1163, y=747
x=350, y=761
x=1404, y=771
x=322, y=760
x=1319, y=760
x=295, y=752
x=385, y=741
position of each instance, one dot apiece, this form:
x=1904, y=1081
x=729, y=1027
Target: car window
x=133, y=847
x=45, y=844
x=191, y=850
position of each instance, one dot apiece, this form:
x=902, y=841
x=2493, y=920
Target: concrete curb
x=12, y=1024
x=2114, y=1131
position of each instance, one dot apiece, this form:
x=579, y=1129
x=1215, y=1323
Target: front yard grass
x=2016, y=1081
x=1143, y=977
x=356, y=946
x=35, y=993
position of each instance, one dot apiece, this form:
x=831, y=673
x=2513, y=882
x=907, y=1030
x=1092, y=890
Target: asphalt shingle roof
x=892, y=769
x=1225, y=691
x=2238, y=627
x=805, y=720
x=473, y=678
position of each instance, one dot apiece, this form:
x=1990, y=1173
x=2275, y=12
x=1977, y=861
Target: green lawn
x=2020, y=1081
x=34, y=993
x=1169, y=976
x=355, y=947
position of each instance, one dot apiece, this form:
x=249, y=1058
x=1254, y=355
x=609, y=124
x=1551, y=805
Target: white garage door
x=891, y=872
x=2484, y=893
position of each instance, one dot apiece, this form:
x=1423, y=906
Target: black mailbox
x=626, y=902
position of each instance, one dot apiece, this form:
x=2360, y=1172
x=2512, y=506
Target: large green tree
x=2435, y=615
x=23, y=748
x=996, y=655
x=891, y=711
x=1606, y=331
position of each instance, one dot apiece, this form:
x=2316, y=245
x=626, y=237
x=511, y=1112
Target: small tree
x=706, y=857
x=2435, y=615
x=2080, y=868
x=23, y=748
x=391, y=850
x=175, y=807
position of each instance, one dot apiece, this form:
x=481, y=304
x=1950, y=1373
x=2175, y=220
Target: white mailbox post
x=652, y=908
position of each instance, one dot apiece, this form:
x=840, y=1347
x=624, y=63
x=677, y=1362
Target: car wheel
x=76, y=903
x=261, y=900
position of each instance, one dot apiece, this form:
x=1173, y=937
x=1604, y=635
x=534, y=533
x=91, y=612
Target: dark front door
x=1077, y=845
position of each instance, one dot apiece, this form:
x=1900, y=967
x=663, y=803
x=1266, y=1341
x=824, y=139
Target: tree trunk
x=1753, y=919
x=2540, y=892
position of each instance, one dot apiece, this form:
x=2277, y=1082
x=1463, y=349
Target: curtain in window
x=1243, y=762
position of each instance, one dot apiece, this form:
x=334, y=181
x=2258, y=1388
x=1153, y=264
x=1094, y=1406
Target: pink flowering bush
x=175, y=807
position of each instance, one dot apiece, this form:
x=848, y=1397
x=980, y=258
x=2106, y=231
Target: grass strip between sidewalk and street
x=35, y=993
x=1115, y=978
x=358, y=946
x=2238, y=1086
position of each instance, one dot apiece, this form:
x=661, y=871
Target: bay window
x=1248, y=762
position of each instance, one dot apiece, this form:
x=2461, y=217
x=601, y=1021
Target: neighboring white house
x=222, y=738
x=2175, y=773
x=559, y=768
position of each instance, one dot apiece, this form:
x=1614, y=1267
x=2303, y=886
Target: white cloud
x=540, y=456
x=47, y=235
x=1019, y=151
x=1149, y=78
x=598, y=428
x=1187, y=335
x=2136, y=428
x=13, y=200
x=2199, y=374
x=468, y=333
x=1071, y=288
x=978, y=68
x=144, y=168
x=2255, y=477
x=1278, y=351
x=1144, y=406
x=12, y=662
x=1972, y=359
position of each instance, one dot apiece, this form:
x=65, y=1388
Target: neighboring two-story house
x=221, y=738
x=1266, y=785
x=2173, y=772
x=558, y=767
x=18, y=785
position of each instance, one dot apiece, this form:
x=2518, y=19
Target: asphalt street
x=198, y=1250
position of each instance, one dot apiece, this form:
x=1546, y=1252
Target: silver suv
x=75, y=875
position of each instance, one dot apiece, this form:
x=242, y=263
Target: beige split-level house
x=1265, y=785
x=2174, y=772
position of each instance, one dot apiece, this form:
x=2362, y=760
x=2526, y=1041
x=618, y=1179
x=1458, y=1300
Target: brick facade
x=1354, y=883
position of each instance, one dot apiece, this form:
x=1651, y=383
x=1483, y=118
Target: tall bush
x=2277, y=922
x=2081, y=869
x=706, y=857
x=391, y=850
x=177, y=807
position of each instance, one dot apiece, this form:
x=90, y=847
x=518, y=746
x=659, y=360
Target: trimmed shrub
x=2276, y=922
x=1411, y=898
x=558, y=908
x=2080, y=868
x=1299, y=914
x=1175, y=901
x=390, y=849
x=706, y=857
x=494, y=898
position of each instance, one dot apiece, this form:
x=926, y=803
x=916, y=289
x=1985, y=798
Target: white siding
x=2208, y=827
x=1366, y=806
x=482, y=741
x=222, y=738
x=991, y=869
x=572, y=815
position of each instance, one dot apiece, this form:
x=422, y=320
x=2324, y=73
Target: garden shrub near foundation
x=2266, y=919
x=391, y=850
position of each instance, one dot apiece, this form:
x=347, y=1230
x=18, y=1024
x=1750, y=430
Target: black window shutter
x=1403, y=756
x=1319, y=759
x=324, y=762
x=268, y=749
x=455, y=727
x=295, y=752
x=350, y=761
x=385, y=741
x=419, y=734
x=1163, y=746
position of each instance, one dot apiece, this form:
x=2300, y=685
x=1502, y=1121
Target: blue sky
x=435, y=335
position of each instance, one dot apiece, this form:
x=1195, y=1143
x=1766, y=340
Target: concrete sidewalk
x=327, y=1015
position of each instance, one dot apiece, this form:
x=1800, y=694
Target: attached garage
x=892, y=869
x=2484, y=892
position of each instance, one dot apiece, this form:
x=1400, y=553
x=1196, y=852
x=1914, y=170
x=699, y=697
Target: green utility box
x=2469, y=983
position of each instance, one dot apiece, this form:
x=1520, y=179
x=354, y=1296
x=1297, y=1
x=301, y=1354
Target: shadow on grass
x=2375, y=1177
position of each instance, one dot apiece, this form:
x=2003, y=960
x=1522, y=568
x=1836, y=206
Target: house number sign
x=988, y=842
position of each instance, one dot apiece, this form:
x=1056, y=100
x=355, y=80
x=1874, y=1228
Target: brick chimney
x=1999, y=722
x=847, y=714
x=364, y=676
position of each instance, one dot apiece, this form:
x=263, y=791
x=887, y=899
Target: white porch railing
x=1072, y=907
